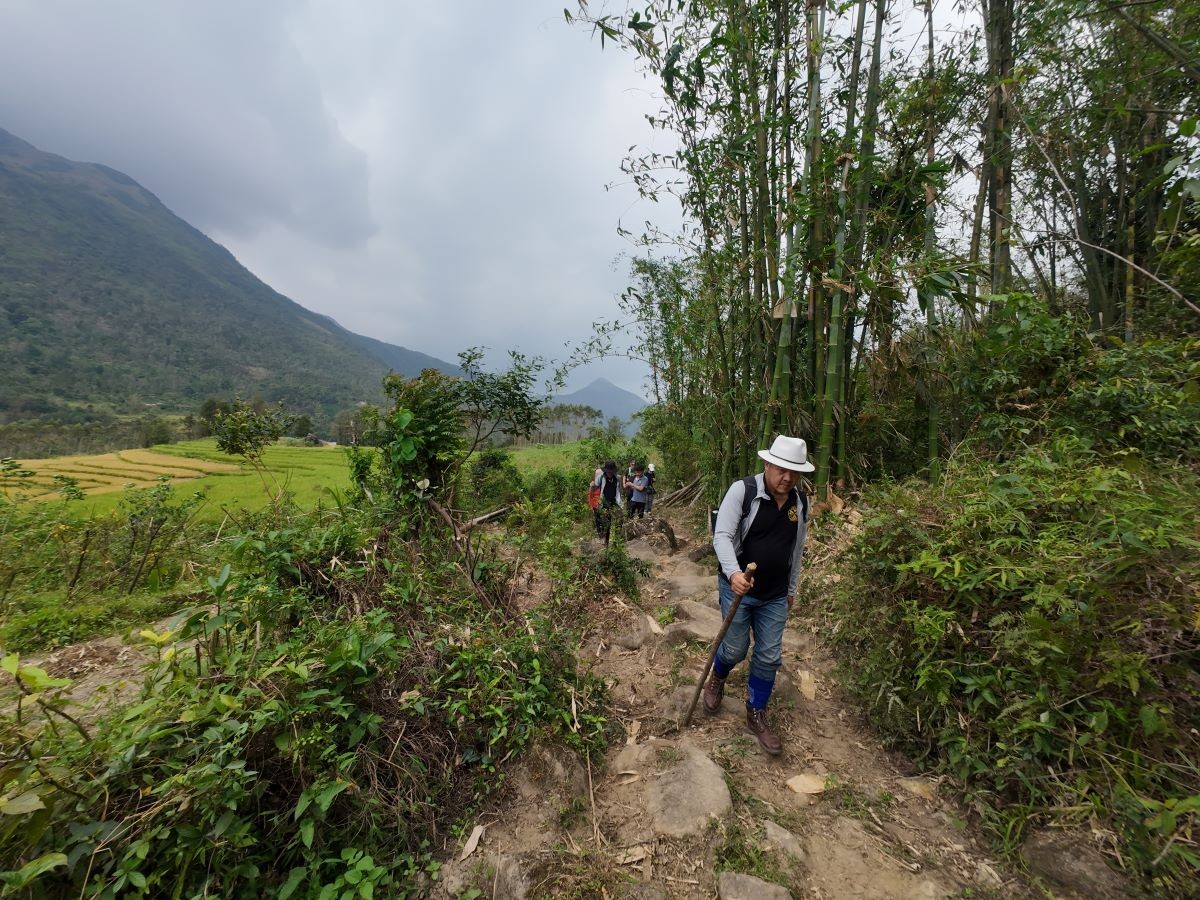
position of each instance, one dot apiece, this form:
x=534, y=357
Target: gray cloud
x=427, y=174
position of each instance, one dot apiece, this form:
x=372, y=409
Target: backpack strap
x=750, y=491
x=750, y=484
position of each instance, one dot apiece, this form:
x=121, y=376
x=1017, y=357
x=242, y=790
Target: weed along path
x=702, y=812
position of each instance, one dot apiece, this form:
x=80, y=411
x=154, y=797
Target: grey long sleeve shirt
x=731, y=529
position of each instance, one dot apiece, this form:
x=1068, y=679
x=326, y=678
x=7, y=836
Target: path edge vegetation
x=348, y=685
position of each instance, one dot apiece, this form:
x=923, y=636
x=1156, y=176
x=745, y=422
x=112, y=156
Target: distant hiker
x=610, y=498
x=594, y=489
x=650, y=487
x=637, y=492
x=762, y=519
x=628, y=480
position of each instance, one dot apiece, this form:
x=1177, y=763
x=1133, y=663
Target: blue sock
x=720, y=668
x=759, y=690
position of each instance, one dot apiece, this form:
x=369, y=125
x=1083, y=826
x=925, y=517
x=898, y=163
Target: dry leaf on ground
x=472, y=842
x=807, y=783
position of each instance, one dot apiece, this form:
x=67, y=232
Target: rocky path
x=702, y=812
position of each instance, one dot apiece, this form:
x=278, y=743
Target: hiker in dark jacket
x=610, y=499
x=762, y=521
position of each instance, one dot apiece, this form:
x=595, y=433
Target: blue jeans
x=766, y=619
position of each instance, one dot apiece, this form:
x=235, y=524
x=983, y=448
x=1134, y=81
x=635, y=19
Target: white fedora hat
x=788, y=453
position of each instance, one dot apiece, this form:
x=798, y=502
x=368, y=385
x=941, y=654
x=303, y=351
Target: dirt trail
x=662, y=814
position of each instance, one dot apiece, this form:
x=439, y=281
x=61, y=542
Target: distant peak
x=10, y=143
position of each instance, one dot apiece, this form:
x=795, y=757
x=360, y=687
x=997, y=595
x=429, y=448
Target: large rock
x=494, y=876
x=1068, y=860
x=700, y=623
x=683, y=585
x=554, y=772
x=683, y=799
x=661, y=788
x=639, y=549
x=782, y=839
x=786, y=693
x=735, y=886
x=673, y=706
x=641, y=892
x=635, y=635
x=690, y=567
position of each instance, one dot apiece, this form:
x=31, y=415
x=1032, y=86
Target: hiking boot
x=714, y=690
x=756, y=721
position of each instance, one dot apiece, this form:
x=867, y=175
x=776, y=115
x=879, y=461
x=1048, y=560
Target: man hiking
x=610, y=499
x=637, y=492
x=761, y=520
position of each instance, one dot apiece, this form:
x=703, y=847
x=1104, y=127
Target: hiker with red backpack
x=605, y=498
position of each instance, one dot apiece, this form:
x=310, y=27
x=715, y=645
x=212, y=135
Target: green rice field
x=311, y=474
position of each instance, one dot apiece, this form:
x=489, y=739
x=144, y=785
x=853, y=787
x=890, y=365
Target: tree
x=437, y=421
x=155, y=430
x=302, y=426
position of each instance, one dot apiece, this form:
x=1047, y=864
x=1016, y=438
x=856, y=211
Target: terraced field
x=310, y=474
x=108, y=472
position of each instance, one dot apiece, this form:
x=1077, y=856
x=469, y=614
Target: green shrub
x=46, y=621
x=1143, y=396
x=307, y=731
x=1030, y=628
x=494, y=479
x=63, y=578
x=560, y=487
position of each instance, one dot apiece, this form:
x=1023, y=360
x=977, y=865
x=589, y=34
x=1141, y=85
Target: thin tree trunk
x=1000, y=54
x=930, y=227
x=834, y=356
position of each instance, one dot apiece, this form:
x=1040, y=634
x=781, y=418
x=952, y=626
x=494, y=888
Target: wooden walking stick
x=712, y=657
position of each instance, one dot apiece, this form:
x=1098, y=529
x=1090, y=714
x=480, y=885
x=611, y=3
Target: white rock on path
x=735, y=886
x=687, y=796
x=782, y=839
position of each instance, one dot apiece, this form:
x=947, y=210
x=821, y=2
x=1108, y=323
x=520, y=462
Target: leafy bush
x=1030, y=627
x=49, y=620
x=305, y=732
x=559, y=486
x=63, y=578
x=494, y=479
x=1143, y=396
x=436, y=422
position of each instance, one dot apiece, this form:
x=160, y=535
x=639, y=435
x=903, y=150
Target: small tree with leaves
x=437, y=422
x=243, y=432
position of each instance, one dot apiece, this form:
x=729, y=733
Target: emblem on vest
x=792, y=517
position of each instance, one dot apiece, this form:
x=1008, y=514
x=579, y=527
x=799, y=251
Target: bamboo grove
x=862, y=181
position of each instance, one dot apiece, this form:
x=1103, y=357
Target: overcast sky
x=429, y=174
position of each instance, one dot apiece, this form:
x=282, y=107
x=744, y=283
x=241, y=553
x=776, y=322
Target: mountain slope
x=111, y=303
x=605, y=396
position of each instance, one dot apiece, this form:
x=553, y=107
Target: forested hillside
x=111, y=304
